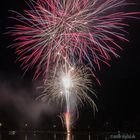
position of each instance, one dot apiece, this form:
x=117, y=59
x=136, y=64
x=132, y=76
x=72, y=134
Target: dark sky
x=118, y=96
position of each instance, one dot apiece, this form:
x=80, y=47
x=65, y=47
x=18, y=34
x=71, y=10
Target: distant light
x=0, y=124
x=12, y=132
x=54, y=126
x=26, y=124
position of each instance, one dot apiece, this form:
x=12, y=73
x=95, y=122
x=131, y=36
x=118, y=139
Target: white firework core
x=67, y=81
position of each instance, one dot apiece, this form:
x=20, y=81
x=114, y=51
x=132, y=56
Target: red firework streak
x=54, y=32
x=67, y=121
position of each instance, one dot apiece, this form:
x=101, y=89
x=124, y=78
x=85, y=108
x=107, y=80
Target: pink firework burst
x=55, y=32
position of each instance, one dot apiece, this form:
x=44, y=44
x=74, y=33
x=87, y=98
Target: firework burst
x=70, y=87
x=56, y=36
x=75, y=82
x=54, y=32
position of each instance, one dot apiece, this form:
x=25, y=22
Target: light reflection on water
x=48, y=136
x=62, y=136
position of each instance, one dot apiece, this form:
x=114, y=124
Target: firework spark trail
x=81, y=83
x=82, y=31
x=67, y=120
x=72, y=87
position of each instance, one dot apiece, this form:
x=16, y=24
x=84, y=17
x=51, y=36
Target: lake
x=40, y=135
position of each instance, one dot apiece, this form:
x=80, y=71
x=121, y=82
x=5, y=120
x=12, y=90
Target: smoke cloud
x=20, y=95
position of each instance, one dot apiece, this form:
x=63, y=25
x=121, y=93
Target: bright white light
x=66, y=81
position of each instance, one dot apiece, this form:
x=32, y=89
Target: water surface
x=14, y=135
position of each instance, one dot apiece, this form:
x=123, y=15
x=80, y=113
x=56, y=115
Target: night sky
x=118, y=96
